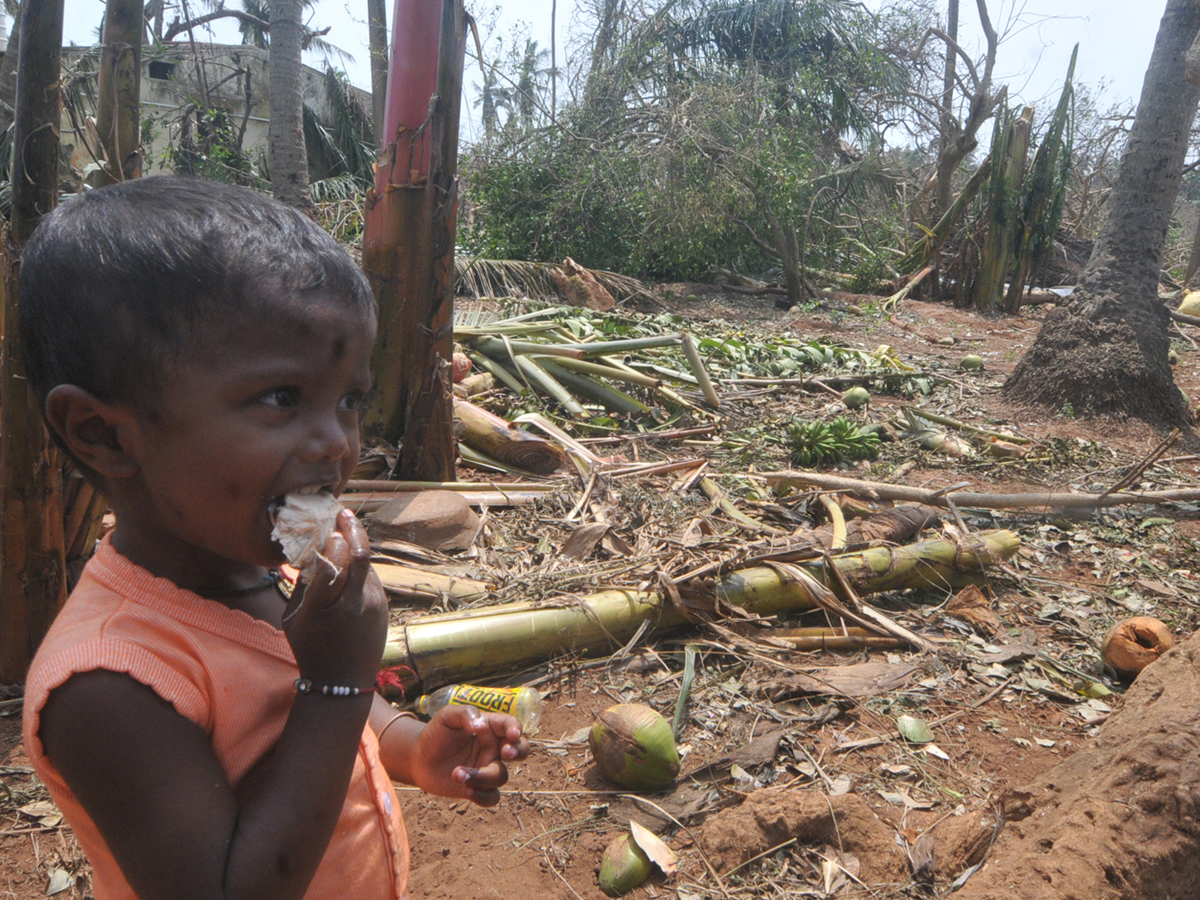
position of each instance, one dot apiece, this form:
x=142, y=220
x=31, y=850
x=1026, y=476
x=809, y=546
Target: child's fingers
x=325, y=584
x=358, y=550
x=482, y=786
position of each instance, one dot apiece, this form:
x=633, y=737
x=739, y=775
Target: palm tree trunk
x=118, y=117
x=377, y=31
x=1107, y=351
x=285, y=134
x=32, y=566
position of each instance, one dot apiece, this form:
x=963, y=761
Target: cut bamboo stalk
x=546, y=383
x=504, y=351
x=669, y=435
x=494, y=368
x=411, y=583
x=876, y=490
x=476, y=643
x=479, y=383
x=611, y=398
x=492, y=435
x=367, y=502
x=587, y=367
x=657, y=468
x=599, y=348
x=861, y=639
x=698, y=370
x=409, y=486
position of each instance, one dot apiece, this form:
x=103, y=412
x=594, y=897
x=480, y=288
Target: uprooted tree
x=1106, y=353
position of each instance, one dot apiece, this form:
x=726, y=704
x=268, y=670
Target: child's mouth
x=278, y=502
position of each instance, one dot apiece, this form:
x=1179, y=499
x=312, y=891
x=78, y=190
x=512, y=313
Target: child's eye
x=353, y=400
x=281, y=397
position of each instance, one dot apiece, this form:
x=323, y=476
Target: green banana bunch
x=819, y=443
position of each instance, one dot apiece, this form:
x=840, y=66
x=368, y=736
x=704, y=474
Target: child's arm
x=462, y=752
x=150, y=781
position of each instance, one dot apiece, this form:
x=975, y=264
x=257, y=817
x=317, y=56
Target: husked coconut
x=303, y=524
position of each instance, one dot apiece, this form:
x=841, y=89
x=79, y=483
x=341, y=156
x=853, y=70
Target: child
x=200, y=351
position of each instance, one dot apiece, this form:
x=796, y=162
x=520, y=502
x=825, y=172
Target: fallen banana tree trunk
x=476, y=643
x=877, y=490
x=498, y=439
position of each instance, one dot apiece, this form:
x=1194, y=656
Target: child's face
x=265, y=405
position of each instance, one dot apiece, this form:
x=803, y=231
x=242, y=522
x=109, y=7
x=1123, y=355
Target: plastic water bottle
x=522, y=702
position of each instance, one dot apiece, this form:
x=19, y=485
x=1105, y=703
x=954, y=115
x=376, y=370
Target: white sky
x=1115, y=37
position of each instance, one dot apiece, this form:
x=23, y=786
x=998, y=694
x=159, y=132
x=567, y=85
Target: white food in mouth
x=303, y=524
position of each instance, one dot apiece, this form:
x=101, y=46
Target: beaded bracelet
x=306, y=686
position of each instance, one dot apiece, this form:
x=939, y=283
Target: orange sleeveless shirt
x=232, y=675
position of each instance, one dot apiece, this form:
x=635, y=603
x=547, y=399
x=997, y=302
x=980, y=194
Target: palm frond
x=521, y=278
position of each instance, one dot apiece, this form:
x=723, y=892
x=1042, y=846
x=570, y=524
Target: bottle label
x=492, y=699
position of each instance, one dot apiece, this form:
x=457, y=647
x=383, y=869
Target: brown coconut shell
x=1133, y=644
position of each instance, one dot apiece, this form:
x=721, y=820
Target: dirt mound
x=769, y=818
x=1117, y=820
x=1097, y=369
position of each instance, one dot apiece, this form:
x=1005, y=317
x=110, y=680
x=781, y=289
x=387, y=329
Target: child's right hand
x=336, y=621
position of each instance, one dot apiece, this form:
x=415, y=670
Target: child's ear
x=92, y=430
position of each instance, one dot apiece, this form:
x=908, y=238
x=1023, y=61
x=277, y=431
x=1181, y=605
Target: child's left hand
x=464, y=752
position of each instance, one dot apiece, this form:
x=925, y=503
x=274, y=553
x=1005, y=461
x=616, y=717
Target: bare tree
x=972, y=90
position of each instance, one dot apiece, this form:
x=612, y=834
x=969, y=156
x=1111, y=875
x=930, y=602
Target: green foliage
x=210, y=146
x=819, y=443
x=707, y=138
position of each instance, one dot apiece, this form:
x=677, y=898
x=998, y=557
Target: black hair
x=116, y=281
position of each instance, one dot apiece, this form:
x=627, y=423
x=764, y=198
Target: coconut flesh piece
x=303, y=524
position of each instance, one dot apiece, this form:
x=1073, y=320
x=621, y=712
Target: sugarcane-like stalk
x=473, y=385
x=587, y=367
x=118, y=114
x=367, y=502
x=505, y=351
x=408, y=244
x=32, y=555
x=492, y=435
x=461, y=486
x=698, y=370
x=810, y=639
x=413, y=584
x=545, y=382
x=500, y=372
x=475, y=643
x=613, y=399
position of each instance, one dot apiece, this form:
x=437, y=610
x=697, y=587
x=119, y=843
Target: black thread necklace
x=272, y=578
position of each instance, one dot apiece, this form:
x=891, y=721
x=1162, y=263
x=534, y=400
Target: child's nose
x=327, y=440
